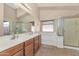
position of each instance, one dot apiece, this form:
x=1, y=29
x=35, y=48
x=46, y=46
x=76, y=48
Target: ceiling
x=49, y=5
x=13, y=5
x=57, y=4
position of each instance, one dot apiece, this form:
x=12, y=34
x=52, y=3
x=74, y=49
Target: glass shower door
x=71, y=32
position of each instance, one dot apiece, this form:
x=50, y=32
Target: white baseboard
x=60, y=46
x=68, y=47
x=71, y=47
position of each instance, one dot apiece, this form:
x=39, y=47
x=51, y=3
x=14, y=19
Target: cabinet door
x=39, y=37
x=36, y=47
x=29, y=50
x=20, y=53
x=36, y=44
x=71, y=32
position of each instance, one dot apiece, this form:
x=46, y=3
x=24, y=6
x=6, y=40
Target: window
x=47, y=26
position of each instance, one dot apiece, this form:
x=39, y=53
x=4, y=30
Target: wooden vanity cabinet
x=29, y=48
x=13, y=51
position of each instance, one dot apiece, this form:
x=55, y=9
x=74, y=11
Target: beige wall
x=54, y=14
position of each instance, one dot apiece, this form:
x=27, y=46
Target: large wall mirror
x=15, y=20
x=24, y=21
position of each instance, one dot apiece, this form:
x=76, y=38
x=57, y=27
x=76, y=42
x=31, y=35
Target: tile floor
x=46, y=50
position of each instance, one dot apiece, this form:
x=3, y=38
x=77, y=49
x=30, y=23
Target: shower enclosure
x=68, y=27
x=71, y=31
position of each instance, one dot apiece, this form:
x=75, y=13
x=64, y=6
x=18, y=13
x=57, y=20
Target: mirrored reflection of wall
x=26, y=19
x=1, y=18
x=10, y=16
x=22, y=27
x=7, y=14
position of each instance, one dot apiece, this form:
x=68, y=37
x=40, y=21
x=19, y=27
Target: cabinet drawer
x=29, y=50
x=20, y=53
x=12, y=50
x=28, y=42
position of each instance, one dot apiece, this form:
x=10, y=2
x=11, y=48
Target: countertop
x=6, y=42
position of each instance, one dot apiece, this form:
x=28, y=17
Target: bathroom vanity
x=25, y=46
x=14, y=37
